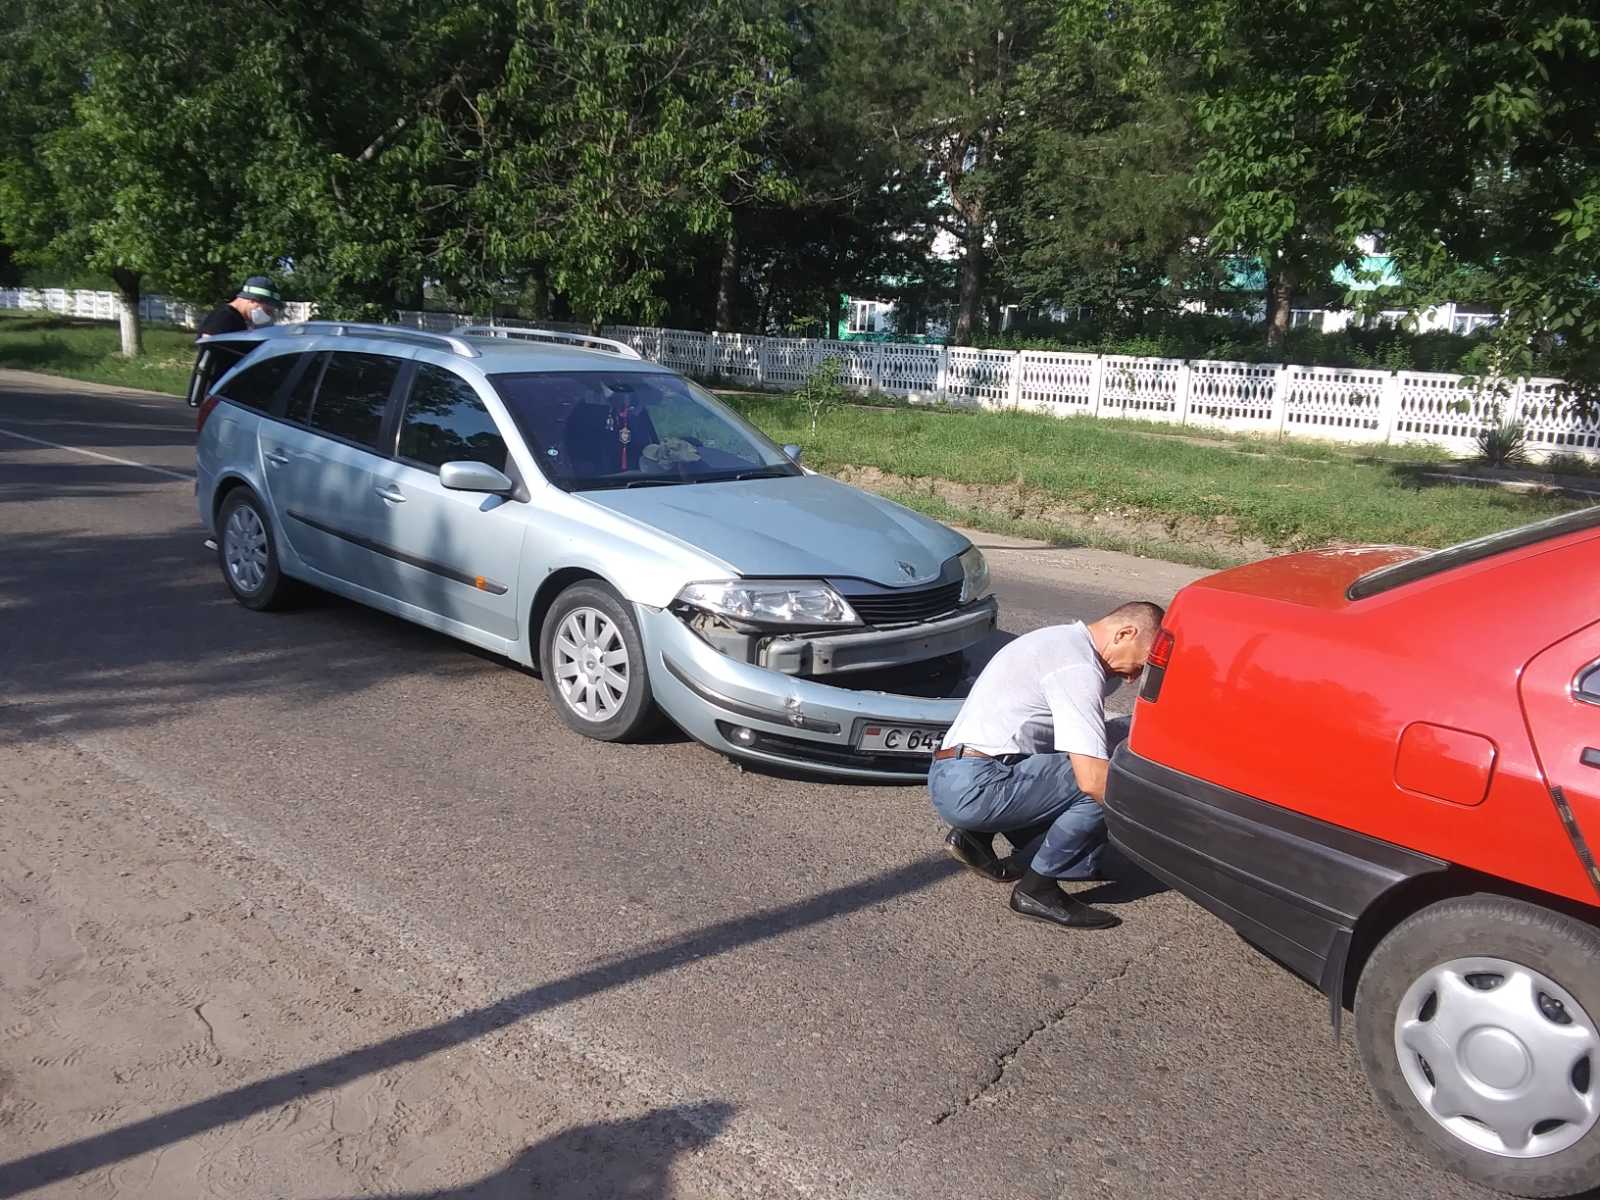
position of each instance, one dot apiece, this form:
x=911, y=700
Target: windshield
x=613, y=429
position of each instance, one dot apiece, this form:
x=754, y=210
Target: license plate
x=901, y=739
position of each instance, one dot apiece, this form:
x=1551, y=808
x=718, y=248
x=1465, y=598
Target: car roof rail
x=399, y=333
x=583, y=341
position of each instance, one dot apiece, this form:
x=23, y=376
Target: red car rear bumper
x=1290, y=884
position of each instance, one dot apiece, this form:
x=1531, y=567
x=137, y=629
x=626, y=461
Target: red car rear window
x=1385, y=578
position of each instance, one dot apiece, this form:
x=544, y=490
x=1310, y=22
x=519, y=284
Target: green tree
x=937, y=82
x=130, y=157
x=618, y=129
x=1465, y=134
x=1095, y=205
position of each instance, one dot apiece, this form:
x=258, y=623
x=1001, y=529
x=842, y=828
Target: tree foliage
x=744, y=162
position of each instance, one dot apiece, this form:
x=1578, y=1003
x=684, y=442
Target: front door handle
x=278, y=458
x=392, y=494
x=1590, y=757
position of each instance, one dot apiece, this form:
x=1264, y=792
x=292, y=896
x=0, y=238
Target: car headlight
x=771, y=601
x=974, y=575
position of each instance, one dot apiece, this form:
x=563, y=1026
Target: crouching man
x=1027, y=757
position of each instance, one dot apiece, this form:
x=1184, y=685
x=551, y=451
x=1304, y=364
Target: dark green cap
x=262, y=290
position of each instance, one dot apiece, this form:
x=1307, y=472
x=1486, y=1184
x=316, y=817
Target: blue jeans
x=1035, y=802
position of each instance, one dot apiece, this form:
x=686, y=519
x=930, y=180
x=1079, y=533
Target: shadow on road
x=607, y=1159
x=166, y=1129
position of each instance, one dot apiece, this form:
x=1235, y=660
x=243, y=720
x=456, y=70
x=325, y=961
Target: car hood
x=807, y=526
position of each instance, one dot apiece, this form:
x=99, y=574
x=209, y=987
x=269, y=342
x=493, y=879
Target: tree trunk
x=833, y=313
x=536, y=293
x=728, y=279
x=764, y=319
x=1280, y=294
x=969, y=301
x=128, y=317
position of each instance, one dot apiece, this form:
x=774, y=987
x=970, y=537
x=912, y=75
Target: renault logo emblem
x=910, y=570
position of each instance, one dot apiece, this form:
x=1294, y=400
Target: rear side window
x=257, y=386
x=212, y=363
x=353, y=397
x=446, y=422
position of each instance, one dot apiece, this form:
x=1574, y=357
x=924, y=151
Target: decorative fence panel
x=1233, y=396
x=1330, y=403
x=1551, y=426
x=1335, y=403
x=1063, y=385
x=1145, y=389
x=983, y=376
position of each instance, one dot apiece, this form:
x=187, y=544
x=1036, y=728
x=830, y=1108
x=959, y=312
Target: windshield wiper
x=633, y=483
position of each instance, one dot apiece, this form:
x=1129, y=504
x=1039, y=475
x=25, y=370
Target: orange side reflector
x=480, y=584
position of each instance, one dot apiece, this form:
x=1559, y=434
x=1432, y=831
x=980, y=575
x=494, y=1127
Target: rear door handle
x=278, y=458
x=1590, y=757
x=392, y=494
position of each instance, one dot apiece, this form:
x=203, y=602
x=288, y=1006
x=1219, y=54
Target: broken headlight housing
x=800, y=602
x=974, y=575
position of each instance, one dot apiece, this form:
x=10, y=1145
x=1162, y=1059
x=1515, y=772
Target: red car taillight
x=204, y=411
x=1161, y=649
x=1156, y=663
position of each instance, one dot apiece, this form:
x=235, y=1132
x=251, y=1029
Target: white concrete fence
x=1330, y=403
x=105, y=306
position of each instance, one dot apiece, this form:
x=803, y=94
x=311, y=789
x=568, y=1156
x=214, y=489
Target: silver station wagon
x=560, y=501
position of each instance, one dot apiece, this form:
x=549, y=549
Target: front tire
x=1476, y=1021
x=593, y=663
x=248, y=555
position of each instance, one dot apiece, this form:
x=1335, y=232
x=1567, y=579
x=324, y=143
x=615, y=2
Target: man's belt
x=959, y=752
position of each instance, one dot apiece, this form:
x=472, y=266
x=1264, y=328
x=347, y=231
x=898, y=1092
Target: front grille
x=908, y=606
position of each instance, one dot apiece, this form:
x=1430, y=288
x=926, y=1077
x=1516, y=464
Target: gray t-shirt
x=1044, y=691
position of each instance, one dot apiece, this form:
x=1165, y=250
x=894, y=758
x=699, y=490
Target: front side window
x=257, y=386
x=353, y=396
x=611, y=429
x=446, y=422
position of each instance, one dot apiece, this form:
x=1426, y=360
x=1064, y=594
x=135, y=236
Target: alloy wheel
x=591, y=664
x=244, y=548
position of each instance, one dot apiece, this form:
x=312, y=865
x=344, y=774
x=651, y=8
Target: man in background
x=257, y=304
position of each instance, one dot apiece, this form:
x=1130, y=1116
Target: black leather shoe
x=1060, y=909
x=976, y=853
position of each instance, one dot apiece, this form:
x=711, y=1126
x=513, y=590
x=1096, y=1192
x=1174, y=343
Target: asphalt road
x=877, y=1023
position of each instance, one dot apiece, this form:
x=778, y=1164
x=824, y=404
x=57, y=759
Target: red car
x=1382, y=767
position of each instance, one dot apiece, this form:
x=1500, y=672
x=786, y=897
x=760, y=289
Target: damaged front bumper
x=879, y=649
x=757, y=713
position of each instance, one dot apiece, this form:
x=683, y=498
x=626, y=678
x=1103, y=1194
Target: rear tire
x=593, y=663
x=248, y=555
x=1476, y=1021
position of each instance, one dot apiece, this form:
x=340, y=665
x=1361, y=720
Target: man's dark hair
x=1140, y=613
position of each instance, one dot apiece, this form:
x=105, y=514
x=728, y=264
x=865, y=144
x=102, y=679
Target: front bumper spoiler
x=795, y=723
x=1291, y=884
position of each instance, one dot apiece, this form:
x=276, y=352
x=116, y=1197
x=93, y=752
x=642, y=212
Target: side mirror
x=793, y=452
x=474, y=477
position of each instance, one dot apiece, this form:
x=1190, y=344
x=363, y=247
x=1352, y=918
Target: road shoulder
x=183, y=1019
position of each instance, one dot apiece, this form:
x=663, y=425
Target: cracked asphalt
x=875, y=1022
